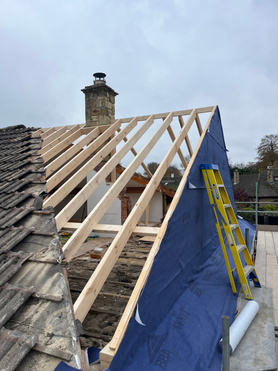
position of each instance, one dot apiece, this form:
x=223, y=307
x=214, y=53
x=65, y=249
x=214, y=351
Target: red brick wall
x=125, y=207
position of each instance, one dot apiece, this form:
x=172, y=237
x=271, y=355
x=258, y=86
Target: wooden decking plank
x=269, y=243
x=275, y=241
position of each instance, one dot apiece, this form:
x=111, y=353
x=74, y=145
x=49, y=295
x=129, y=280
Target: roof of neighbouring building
x=267, y=189
x=247, y=182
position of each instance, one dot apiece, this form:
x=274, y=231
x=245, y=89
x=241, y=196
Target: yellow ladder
x=225, y=218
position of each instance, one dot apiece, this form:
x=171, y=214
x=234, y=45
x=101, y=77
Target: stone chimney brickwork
x=99, y=102
x=236, y=176
x=269, y=176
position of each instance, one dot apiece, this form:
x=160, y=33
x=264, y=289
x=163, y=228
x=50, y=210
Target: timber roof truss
x=71, y=153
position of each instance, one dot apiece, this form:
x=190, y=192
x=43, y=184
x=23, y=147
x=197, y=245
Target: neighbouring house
x=266, y=184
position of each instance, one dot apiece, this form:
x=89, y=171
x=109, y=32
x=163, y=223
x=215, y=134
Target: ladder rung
x=233, y=226
x=227, y=205
x=248, y=269
x=240, y=248
x=220, y=185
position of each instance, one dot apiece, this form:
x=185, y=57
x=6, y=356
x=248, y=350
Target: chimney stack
x=269, y=175
x=236, y=176
x=99, y=102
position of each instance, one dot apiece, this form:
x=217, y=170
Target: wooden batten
x=175, y=114
x=112, y=228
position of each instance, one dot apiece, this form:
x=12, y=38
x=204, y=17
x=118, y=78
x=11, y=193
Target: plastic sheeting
x=179, y=312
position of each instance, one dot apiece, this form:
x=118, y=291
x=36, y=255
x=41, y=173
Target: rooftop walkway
x=266, y=264
x=258, y=349
x=267, y=268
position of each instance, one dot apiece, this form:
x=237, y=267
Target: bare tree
x=268, y=150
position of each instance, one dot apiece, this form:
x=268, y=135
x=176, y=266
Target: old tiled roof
x=267, y=189
x=37, y=330
x=248, y=183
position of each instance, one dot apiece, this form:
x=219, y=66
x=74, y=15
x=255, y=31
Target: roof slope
x=248, y=183
x=267, y=189
x=71, y=153
x=37, y=327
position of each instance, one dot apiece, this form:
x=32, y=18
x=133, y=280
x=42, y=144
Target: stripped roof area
x=71, y=153
x=37, y=329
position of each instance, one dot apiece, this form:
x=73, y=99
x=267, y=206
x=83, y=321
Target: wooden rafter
x=109, y=351
x=199, y=125
x=72, y=165
x=172, y=136
x=187, y=141
x=60, y=143
x=96, y=214
x=135, y=154
x=89, y=188
x=88, y=295
x=72, y=151
x=54, y=136
x=96, y=145
x=47, y=132
x=36, y=133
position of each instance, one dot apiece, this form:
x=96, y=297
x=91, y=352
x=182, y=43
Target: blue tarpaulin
x=188, y=289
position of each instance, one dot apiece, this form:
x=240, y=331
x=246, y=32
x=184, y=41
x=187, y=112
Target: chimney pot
x=99, y=78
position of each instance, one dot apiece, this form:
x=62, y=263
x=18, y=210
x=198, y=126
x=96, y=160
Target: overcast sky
x=159, y=55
